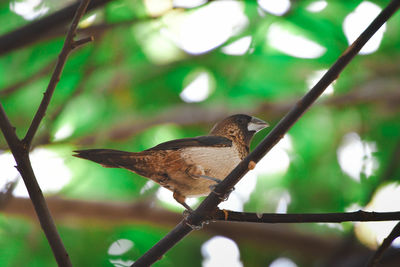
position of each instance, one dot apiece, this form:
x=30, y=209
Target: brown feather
x=177, y=164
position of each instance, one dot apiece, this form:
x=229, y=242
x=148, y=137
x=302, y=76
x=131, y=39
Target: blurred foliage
x=123, y=91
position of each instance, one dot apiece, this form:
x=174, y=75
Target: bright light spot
x=121, y=263
x=315, y=77
x=386, y=199
x=156, y=8
x=283, y=203
x=199, y=88
x=356, y=22
x=120, y=246
x=159, y=134
x=242, y=192
x=159, y=48
x=50, y=171
x=355, y=156
x=275, y=7
x=8, y=170
x=149, y=185
x=220, y=251
x=292, y=44
x=238, y=47
x=188, y=3
x=277, y=160
x=317, y=6
x=197, y=35
x=29, y=9
x=283, y=262
x=336, y=226
x=166, y=196
x=353, y=207
x=64, y=132
x=87, y=21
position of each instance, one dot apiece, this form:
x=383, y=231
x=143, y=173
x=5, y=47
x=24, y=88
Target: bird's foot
x=189, y=222
x=222, y=197
x=181, y=200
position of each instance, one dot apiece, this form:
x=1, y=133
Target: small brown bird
x=189, y=167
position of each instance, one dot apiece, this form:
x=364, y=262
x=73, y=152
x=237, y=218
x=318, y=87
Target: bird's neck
x=241, y=144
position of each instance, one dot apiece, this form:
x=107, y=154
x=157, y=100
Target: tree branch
x=192, y=115
x=385, y=245
x=210, y=203
x=35, y=30
x=358, y=216
x=69, y=45
x=20, y=148
x=21, y=155
x=111, y=214
x=45, y=137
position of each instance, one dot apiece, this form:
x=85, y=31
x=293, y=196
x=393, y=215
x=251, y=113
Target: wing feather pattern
x=201, y=141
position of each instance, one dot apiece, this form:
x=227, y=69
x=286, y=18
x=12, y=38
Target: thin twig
x=357, y=216
x=82, y=41
x=114, y=214
x=374, y=261
x=206, y=208
x=24, y=166
x=193, y=115
x=44, y=137
x=20, y=148
x=35, y=30
x=69, y=45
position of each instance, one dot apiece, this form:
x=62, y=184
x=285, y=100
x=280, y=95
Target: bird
x=189, y=167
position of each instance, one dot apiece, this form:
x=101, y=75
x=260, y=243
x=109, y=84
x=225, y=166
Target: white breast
x=217, y=162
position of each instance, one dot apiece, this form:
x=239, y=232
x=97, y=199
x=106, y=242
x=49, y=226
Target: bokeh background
x=162, y=69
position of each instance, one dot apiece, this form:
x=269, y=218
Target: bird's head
x=240, y=128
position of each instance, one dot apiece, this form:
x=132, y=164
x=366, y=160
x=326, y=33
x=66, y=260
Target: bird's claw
x=222, y=197
x=186, y=213
x=188, y=222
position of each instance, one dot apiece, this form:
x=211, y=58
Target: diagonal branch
x=35, y=30
x=210, y=203
x=114, y=214
x=374, y=261
x=20, y=148
x=356, y=216
x=69, y=45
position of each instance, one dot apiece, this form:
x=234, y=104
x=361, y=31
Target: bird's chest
x=175, y=169
x=216, y=162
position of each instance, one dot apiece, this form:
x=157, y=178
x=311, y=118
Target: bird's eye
x=241, y=121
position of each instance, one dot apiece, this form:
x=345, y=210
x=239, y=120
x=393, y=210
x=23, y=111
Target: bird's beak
x=256, y=124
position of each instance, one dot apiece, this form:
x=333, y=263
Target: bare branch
x=82, y=41
x=210, y=203
x=20, y=148
x=192, y=115
x=357, y=216
x=112, y=214
x=37, y=29
x=67, y=48
x=374, y=261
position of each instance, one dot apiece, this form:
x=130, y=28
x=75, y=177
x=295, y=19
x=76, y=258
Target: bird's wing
x=201, y=141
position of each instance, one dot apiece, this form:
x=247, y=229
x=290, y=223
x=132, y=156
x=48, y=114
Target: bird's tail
x=108, y=157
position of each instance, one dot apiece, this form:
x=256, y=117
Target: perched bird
x=189, y=167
